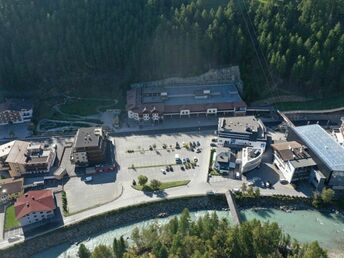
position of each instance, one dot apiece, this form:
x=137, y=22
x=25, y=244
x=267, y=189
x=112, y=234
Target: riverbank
x=122, y=217
x=113, y=219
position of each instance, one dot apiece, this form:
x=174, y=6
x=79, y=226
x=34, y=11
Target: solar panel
x=323, y=145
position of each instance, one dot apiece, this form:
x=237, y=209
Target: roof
x=23, y=153
x=5, y=149
x=15, y=105
x=291, y=150
x=18, y=152
x=240, y=124
x=88, y=137
x=322, y=145
x=225, y=155
x=301, y=163
x=174, y=98
x=34, y=201
x=11, y=185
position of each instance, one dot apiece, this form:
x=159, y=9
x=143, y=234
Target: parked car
x=171, y=168
x=88, y=179
x=213, y=144
x=183, y=160
x=268, y=184
x=198, y=143
x=263, y=184
x=236, y=190
x=237, y=175
x=198, y=150
x=162, y=170
x=167, y=169
x=182, y=168
x=187, y=160
x=284, y=181
x=250, y=183
x=214, y=140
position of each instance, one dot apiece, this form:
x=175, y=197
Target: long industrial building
x=155, y=102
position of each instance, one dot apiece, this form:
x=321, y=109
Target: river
x=303, y=225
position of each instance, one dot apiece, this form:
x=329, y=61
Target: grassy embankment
x=10, y=218
x=163, y=185
x=317, y=104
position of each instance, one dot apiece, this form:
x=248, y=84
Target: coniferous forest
x=207, y=237
x=292, y=44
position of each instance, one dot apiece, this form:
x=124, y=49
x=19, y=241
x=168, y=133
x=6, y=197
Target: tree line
x=292, y=43
x=208, y=236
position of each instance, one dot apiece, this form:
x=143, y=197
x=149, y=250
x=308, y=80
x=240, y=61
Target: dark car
x=213, y=144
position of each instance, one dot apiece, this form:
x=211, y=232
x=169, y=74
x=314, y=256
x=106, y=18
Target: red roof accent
x=34, y=201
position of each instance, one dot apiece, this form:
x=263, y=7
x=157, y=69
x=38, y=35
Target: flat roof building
x=27, y=157
x=240, y=131
x=89, y=146
x=15, y=111
x=295, y=163
x=151, y=101
x=326, y=152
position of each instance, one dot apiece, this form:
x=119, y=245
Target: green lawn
x=164, y=185
x=85, y=107
x=10, y=218
x=326, y=103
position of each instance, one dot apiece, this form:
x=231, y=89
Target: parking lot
x=83, y=195
x=150, y=155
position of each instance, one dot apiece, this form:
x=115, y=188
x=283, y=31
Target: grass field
x=10, y=218
x=326, y=103
x=164, y=185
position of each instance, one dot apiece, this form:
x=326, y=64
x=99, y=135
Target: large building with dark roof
x=89, y=147
x=149, y=101
x=326, y=152
x=15, y=111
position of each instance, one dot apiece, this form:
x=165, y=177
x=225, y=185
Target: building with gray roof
x=326, y=152
x=89, y=147
x=150, y=101
x=240, y=131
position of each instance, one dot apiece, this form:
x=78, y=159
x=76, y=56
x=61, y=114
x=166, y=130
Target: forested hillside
x=293, y=44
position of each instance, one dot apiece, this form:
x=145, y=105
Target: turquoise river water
x=303, y=225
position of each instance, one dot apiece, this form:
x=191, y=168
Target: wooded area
x=206, y=237
x=56, y=44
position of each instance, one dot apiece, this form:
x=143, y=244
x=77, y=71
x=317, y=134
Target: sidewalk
x=2, y=224
x=196, y=123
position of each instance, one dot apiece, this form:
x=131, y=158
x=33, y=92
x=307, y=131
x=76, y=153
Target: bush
x=327, y=195
x=155, y=184
x=64, y=202
x=142, y=179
